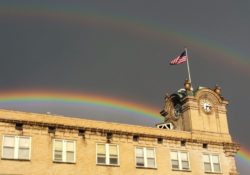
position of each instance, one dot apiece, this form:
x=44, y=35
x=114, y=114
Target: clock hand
x=208, y=107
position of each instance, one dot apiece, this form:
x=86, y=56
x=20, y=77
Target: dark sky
x=122, y=50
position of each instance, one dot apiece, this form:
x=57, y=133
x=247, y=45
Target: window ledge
x=141, y=167
x=111, y=165
x=181, y=170
x=213, y=172
x=24, y=160
x=64, y=162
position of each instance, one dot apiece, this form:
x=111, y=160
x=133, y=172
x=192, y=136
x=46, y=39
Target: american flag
x=180, y=59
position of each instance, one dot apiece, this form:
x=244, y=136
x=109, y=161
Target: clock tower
x=198, y=111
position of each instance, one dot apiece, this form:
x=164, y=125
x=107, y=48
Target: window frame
x=64, y=151
x=179, y=159
x=145, y=157
x=16, y=147
x=211, y=162
x=107, y=154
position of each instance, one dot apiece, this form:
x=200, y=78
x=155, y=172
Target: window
x=145, y=157
x=16, y=147
x=136, y=138
x=159, y=140
x=183, y=143
x=180, y=160
x=64, y=151
x=211, y=163
x=107, y=154
x=205, y=145
x=168, y=126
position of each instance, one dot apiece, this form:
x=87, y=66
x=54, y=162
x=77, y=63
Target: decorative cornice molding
x=229, y=147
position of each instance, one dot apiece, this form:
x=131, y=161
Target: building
x=194, y=139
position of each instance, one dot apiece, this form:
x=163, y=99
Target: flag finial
x=187, y=85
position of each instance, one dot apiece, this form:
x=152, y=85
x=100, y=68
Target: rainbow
x=72, y=13
x=244, y=154
x=68, y=12
x=77, y=98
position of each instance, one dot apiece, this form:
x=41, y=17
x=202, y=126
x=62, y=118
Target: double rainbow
x=71, y=13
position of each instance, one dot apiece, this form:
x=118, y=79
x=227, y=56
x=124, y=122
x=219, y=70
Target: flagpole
x=189, y=76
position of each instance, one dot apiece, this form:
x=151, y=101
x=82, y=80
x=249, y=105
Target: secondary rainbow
x=69, y=12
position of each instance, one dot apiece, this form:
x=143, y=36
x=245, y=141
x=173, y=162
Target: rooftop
x=46, y=120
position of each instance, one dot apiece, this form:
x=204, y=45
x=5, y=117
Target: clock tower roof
x=189, y=91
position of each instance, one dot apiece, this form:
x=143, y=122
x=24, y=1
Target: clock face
x=206, y=105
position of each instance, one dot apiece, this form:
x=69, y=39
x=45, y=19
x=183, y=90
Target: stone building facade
x=194, y=139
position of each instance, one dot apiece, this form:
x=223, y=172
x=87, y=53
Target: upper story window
x=16, y=147
x=211, y=163
x=64, y=151
x=180, y=160
x=168, y=126
x=107, y=154
x=145, y=157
